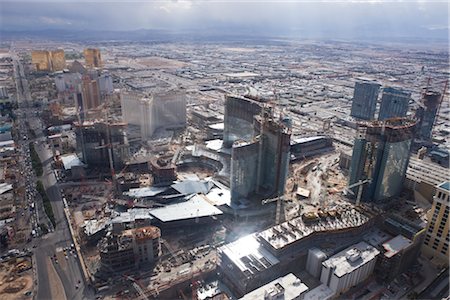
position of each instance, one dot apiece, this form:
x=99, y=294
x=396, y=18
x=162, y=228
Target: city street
x=52, y=250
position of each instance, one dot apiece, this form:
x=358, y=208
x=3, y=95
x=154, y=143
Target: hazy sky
x=318, y=18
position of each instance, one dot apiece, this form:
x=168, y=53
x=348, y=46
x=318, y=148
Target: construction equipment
x=360, y=184
x=137, y=287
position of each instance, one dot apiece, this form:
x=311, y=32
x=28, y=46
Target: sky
x=371, y=18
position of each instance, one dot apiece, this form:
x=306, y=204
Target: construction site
x=16, y=277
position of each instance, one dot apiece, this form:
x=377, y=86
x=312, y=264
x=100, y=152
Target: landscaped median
x=47, y=205
x=35, y=161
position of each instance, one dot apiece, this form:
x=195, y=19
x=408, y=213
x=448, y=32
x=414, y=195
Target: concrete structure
x=163, y=170
x=245, y=264
x=165, y=109
x=437, y=237
x=349, y=267
x=312, y=145
x=260, y=167
x=314, y=261
x=67, y=82
x=365, y=100
x=90, y=93
x=238, y=119
x=130, y=249
x=44, y=60
x=381, y=154
x=394, y=103
x=92, y=58
x=94, y=139
x=426, y=114
x=105, y=84
x=288, y=287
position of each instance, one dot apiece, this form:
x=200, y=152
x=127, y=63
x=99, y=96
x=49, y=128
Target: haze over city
x=232, y=149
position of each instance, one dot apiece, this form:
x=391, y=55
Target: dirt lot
x=161, y=63
x=16, y=279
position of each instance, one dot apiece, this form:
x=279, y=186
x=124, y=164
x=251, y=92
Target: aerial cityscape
x=192, y=154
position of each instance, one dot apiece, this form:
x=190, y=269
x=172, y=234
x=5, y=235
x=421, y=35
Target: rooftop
x=71, y=160
x=196, y=207
x=350, y=259
x=287, y=288
x=445, y=185
x=248, y=255
x=148, y=232
x=395, y=245
x=294, y=230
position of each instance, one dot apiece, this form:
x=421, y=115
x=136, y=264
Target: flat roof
x=248, y=255
x=351, y=258
x=144, y=192
x=288, y=287
x=71, y=160
x=395, y=245
x=307, y=139
x=195, y=207
x=322, y=292
x=215, y=145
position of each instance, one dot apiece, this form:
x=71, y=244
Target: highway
x=52, y=250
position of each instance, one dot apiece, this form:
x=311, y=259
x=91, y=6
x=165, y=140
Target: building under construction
x=133, y=248
x=427, y=113
x=380, y=157
x=259, y=167
x=238, y=119
x=102, y=144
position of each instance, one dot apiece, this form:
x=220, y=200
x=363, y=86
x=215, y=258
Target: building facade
x=90, y=93
x=159, y=110
x=365, y=100
x=381, y=154
x=238, y=119
x=426, y=114
x=349, y=267
x=394, y=103
x=92, y=57
x=259, y=167
x=44, y=60
x=94, y=140
x=437, y=237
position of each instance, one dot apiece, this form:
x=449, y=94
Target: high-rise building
x=41, y=60
x=45, y=60
x=381, y=154
x=238, y=119
x=94, y=139
x=259, y=167
x=90, y=92
x=437, y=237
x=92, y=58
x=58, y=60
x=427, y=113
x=394, y=103
x=365, y=100
x=162, y=109
x=105, y=84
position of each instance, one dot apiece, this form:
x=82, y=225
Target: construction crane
x=360, y=184
x=278, y=208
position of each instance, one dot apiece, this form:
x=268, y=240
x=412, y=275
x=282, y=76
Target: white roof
x=196, y=207
x=5, y=187
x=215, y=145
x=395, y=245
x=352, y=258
x=6, y=143
x=71, y=160
x=289, y=287
x=145, y=192
x=248, y=248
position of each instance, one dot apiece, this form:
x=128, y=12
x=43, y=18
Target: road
x=52, y=245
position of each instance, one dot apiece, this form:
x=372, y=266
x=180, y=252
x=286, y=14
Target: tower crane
x=360, y=183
